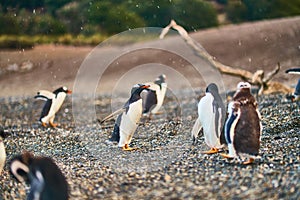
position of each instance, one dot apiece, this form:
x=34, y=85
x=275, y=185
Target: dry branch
x=257, y=78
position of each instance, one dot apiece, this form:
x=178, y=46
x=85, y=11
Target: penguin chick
x=3, y=135
x=243, y=126
x=154, y=97
x=45, y=178
x=211, y=117
x=128, y=120
x=296, y=95
x=54, y=101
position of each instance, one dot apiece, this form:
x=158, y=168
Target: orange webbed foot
x=52, y=124
x=226, y=155
x=44, y=124
x=127, y=148
x=211, y=151
x=249, y=161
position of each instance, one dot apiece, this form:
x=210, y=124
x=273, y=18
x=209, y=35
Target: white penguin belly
x=58, y=101
x=160, y=97
x=207, y=119
x=129, y=122
x=2, y=156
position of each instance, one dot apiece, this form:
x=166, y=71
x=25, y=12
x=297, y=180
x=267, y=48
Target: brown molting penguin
x=243, y=127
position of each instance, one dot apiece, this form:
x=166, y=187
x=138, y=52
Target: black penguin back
x=218, y=105
x=115, y=136
x=56, y=186
x=46, y=108
x=150, y=101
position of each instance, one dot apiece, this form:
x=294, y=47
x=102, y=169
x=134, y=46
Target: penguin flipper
x=231, y=121
x=44, y=95
x=293, y=71
x=196, y=129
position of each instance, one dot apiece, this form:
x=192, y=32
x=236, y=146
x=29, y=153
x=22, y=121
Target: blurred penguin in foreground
x=45, y=178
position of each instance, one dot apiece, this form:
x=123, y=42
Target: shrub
x=15, y=42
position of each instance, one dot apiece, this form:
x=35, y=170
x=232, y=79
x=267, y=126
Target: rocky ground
x=166, y=165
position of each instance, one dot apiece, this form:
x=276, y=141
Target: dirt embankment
x=250, y=46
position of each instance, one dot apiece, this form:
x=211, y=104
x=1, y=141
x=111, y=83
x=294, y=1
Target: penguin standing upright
x=211, y=117
x=45, y=178
x=296, y=95
x=2, y=149
x=154, y=97
x=129, y=118
x=54, y=100
x=243, y=127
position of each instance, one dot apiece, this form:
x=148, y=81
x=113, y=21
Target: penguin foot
x=211, y=151
x=52, y=124
x=127, y=148
x=226, y=155
x=249, y=161
x=44, y=124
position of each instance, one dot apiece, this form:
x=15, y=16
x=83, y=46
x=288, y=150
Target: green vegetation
x=88, y=22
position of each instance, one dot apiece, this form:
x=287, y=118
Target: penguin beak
x=145, y=86
x=69, y=91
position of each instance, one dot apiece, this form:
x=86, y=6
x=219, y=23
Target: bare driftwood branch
x=256, y=78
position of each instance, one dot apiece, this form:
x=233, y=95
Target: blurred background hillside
x=88, y=22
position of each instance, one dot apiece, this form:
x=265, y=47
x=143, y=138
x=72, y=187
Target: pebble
x=166, y=165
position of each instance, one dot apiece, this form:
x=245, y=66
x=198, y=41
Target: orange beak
x=69, y=92
x=145, y=86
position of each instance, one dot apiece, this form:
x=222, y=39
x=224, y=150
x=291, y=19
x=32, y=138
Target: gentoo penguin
x=154, y=97
x=243, y=127
x=54, y=100
x=296, y=95
x=129, y=118
x=211, y=117
x=43, y=175
x=2, y=149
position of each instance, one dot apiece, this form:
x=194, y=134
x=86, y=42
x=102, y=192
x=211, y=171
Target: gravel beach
x=166, y=164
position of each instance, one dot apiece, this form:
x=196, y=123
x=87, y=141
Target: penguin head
x=20, y=166
x=212, y=88
x=137, y=88
x=62, y=89
x=243, y=85
x=161, y=79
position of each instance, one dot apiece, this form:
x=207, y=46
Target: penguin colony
x=239, y=130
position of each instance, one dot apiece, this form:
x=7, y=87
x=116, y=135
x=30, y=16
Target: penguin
x=154, y=97
x=45, y=178
x=54, y=100
x=127, y=122
x=211, y=117
x=296, y=95
x=243, y=125
x=3, y=135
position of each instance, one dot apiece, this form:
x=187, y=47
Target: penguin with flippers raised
x=243, y=125
x=54, y=101
x=46, y=180
x=128, y=119
x=211, y=117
